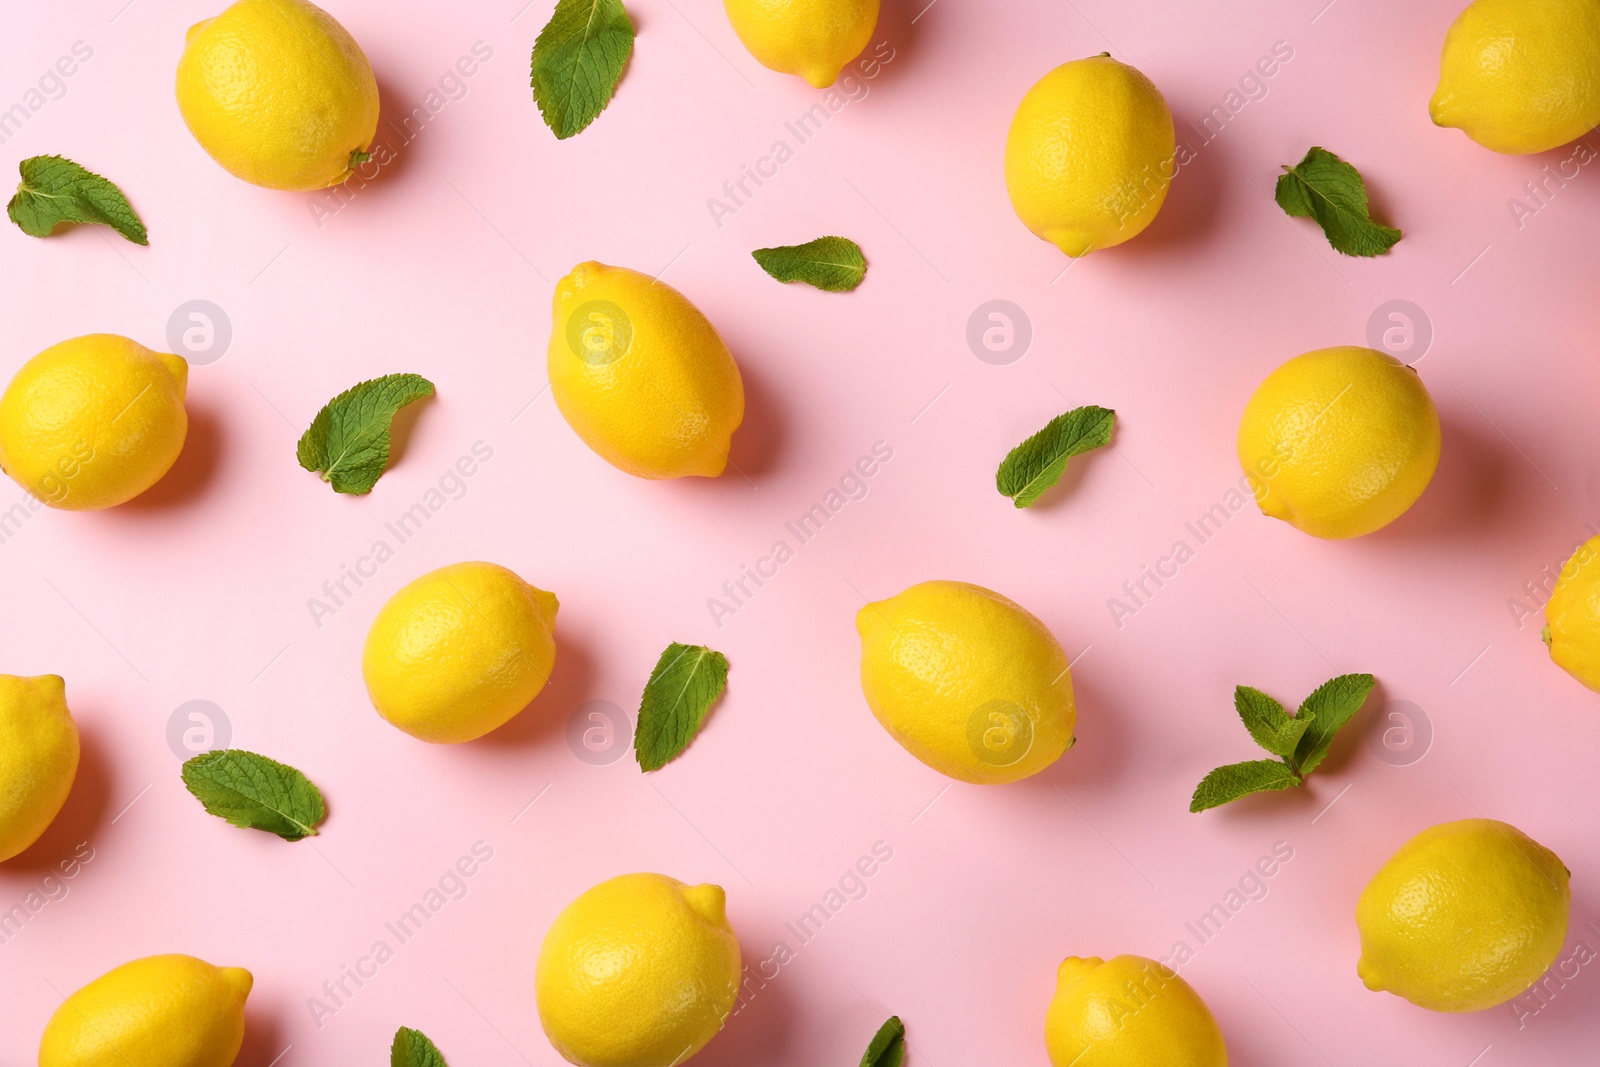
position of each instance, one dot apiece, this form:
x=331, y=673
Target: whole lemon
x=1521, y=76
x=279, y=93
x=1572, y=616
x=458, y=652
x=1465, y=916
x=967, y=681
x=811, y=38
x=93, y=422
x=640, y=971
x=1090, y=155
x=38, y=758
x=1129, y=1012
x=1339, y=442
x=641, y=375
x=160, y=1011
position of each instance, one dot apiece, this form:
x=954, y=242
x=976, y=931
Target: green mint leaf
x=1269, y=725
x=578, y=59
x=1036, y=464
x=686, y=681
x=1334, y=703
x=834, y=264
x=412, y=1048
x=255, y=792
x=888, y=1048
x=348, y=442
x=1241, y=779
x=56, y=190
x=1325, y=188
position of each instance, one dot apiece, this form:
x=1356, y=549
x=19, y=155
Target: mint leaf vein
x=685, y=683
x=253, y=792
x=833, y=264
x=348, y=442
x=578, y=59
x=1038, y=463
x=1330, y=191
x=56, y=190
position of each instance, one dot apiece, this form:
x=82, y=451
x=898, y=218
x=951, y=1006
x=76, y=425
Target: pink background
x=445, y=266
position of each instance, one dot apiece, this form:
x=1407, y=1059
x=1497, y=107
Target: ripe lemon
x=93, y=422
x=38, y=758
x=967, y=681
x=459, y=651
x=640, y=971
x=811, y=38
x=1572, y=616
x=1129, y=1012
x=1521, y=76
x=641, y=375
x=1465, y=916
x=1339, y=442
x=1090, y=155
x=160, y=1011
x=279, y=94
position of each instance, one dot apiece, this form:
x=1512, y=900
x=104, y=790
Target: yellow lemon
x=1090, y=155
x=1572, y=616
x=1339, y=442
x=160, y=1011
x=967, y=681
x=38, y=758
x=1465, y=916
x=811, y=38
x=1521, y=76
x=279, y=94
x=641, y=375
x=1129, y=1012
x=459, y=651
x=640, y=971
x=93, y=422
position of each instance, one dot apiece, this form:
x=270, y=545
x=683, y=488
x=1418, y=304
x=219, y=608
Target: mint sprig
x=348, y=442
x=256, y=793
x=1038, y=463
x=578, y=59
x=685, y=683
x=411, y=1048
x=832, y=264
x=1325, y=188
x=1300, y=742
x=56, y=190
x=888, y=1048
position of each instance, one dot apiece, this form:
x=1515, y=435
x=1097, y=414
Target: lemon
x=1572, y=616
x=38, y=758
x=1129, y=1012
x=967, y=681
x=640, y=971
x=459, y=651
x=1521, y=76
x=1339, y=442
x=641, y=375
x=160, y=1011
x=1465, y=916
x=93, y=422
x=1090, y=155
x=811, y=38
x=279, y=94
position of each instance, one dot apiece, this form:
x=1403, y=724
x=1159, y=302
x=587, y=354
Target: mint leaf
x=1036, y=464
x=348, y=442
x=686, y=681
x=1241, y=779
x=888, y=1048
x=834, y=264
x=1325, y=188
x=56, y=190
x=578, y=59
x=255, y=792
x=1269, y=725
x=1334, y=703
x=412, y=1048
